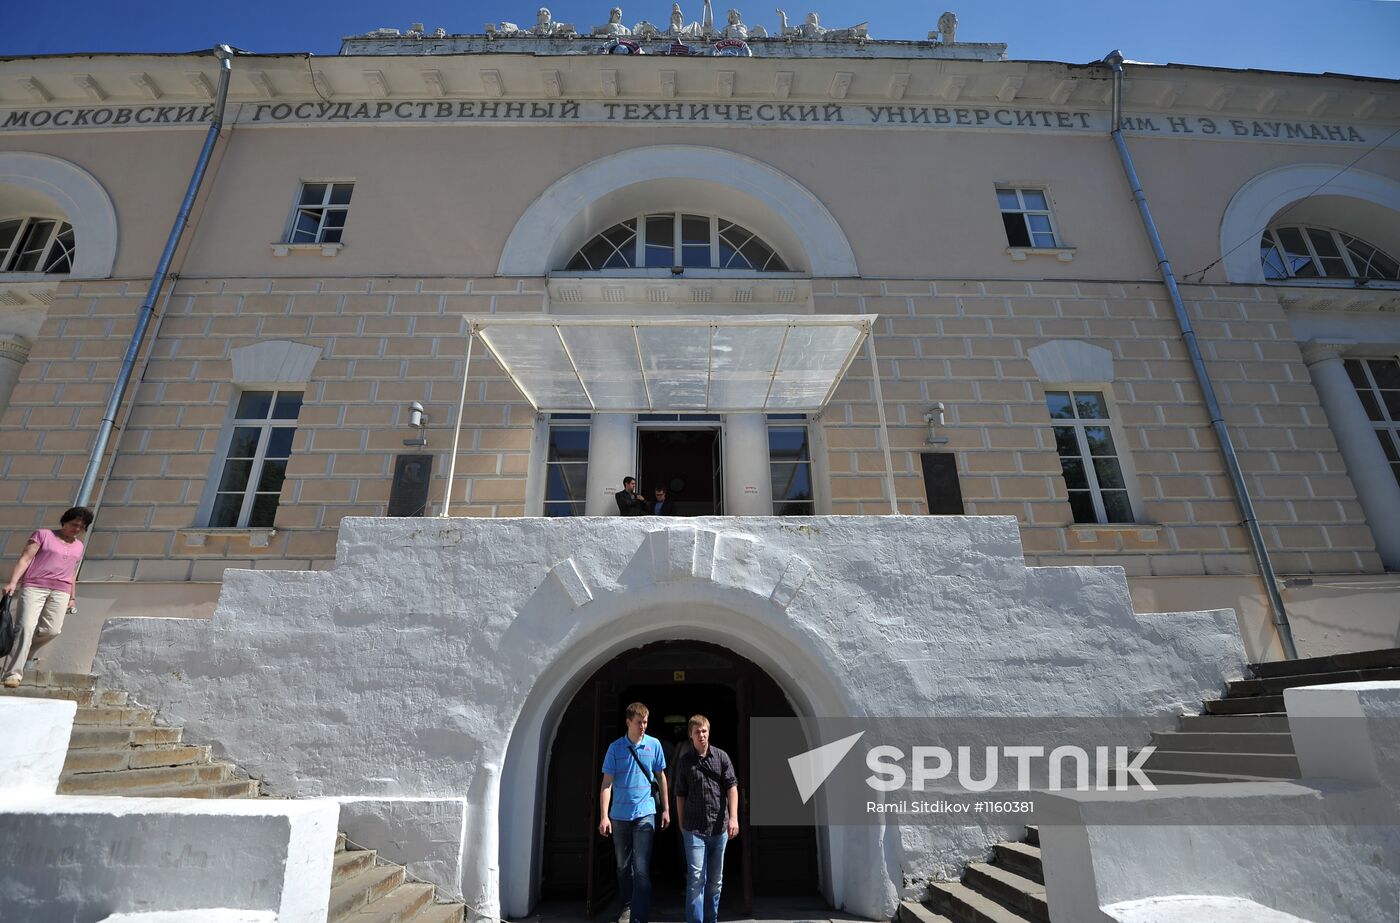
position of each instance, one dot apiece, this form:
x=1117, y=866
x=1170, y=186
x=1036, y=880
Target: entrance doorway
x=674, y=679
x=687, y=463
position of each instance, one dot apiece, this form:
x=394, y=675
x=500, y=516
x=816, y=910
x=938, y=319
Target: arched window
x=1302, y=252
x=668, y=239
x=34, y=244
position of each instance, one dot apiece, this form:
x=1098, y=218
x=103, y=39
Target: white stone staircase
x=117, y=749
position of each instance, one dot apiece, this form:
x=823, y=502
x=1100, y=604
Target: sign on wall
x=761, y=114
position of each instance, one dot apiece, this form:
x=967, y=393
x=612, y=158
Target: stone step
x=1033, y=836
x=1015, y=891
x=1257, y=765
x=1272, y=684
x=81, y=696
x=1233, y=724
x=457, y=913
x=54, y=678
x=1161, y=777
x=914, y=912
x=962, y=904
x=401, y=904
x=1358, y=660
x=353, y=894
x=115, y=715
x=1021, y=858
x=1247, y=705
x=101, y=736
x=139, y=781
x=350, y=862
x=1242, y=742
x=108, y=760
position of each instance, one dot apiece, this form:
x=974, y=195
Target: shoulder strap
x=632, y=749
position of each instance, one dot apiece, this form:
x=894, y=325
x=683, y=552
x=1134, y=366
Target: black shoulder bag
x=9, y=624
x=655, y=788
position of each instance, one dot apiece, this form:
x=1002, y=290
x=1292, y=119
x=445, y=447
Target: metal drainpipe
x=1188, y=335
x=143, y=316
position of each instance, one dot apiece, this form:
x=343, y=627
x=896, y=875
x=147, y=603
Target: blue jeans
x=632, y=844
x=704, y=858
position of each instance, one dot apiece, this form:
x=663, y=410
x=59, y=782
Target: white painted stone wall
x=1318, y=848
x=435, y=660
x=36, y=734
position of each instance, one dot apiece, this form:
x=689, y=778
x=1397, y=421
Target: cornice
x=139, y=80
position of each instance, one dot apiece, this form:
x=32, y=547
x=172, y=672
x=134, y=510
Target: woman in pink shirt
x=46, y=578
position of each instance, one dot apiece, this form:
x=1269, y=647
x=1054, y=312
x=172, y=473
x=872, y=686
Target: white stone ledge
x=286, y=249
x=1063, y=254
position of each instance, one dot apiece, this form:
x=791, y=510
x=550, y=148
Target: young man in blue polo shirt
x=629, y=810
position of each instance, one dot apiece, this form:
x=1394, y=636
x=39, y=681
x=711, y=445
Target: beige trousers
x=40, y=619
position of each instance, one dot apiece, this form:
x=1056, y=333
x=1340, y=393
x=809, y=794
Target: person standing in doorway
x=661, y=506
x=707, y=800
x=46, y=580
x=633, y=795
x=629, y=502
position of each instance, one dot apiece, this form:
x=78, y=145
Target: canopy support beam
x=457, y=430
x=880, y=409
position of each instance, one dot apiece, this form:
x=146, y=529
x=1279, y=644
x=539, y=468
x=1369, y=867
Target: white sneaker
x=12, y=682
x=626, y=913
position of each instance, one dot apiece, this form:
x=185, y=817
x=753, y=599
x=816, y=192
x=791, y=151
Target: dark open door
x=601, y=864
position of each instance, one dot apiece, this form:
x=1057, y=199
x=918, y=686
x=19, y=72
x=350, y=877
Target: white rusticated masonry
x=436, y=660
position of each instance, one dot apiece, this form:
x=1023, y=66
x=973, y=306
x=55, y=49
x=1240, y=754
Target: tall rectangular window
x=320, y=214
x=255, y=464
x=790, y=465
x=1377, y=383
x=566, y=465
x=1026, y=215
x=1098, y=490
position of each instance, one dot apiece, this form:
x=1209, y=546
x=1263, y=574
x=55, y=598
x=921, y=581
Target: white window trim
x=1120, y=441
x=1060, y=251
x=585, y=424
x=1353, y=278
x=45, y=254
x=232, y=422
x=282, y=248
x=639, y=245
x=291, y=224
x=806, y=424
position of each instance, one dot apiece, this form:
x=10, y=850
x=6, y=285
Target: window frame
x=1024, y=211
x=570, y=421
x=638, y=247
x=232, y=424
x=1290, y=277
x=289, y=236
x=1389, y=424
x=786, y=421
x=1122, y=452
x=61, y=226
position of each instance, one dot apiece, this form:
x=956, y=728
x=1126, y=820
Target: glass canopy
x=773, y=364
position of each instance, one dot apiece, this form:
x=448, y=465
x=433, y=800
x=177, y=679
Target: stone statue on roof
x=678, y=27
x=614, y=24
x=947, y=28
x=546, y=26
x=812, y=30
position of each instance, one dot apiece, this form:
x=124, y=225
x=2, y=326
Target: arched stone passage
x=1361, y=203
x=670, y=176
x=750, y=625
x=27, y=180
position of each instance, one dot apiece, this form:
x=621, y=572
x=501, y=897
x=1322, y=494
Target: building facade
x=798, y=274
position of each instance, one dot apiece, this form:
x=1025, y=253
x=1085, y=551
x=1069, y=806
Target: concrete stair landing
x=116, y=748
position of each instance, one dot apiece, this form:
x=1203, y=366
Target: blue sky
x=1342, y=36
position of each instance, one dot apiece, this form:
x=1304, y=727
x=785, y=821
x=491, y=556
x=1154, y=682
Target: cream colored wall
x=144, y=172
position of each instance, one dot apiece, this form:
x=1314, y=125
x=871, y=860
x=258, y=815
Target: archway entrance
x=675, y=679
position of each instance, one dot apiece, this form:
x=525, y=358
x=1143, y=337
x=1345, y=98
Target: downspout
x=1188, y=336
x=143, y=316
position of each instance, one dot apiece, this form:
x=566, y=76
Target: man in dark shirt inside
x=629, y=502
x=707, y=799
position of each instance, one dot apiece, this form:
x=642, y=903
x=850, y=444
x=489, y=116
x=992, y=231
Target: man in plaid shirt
x=707, y=800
